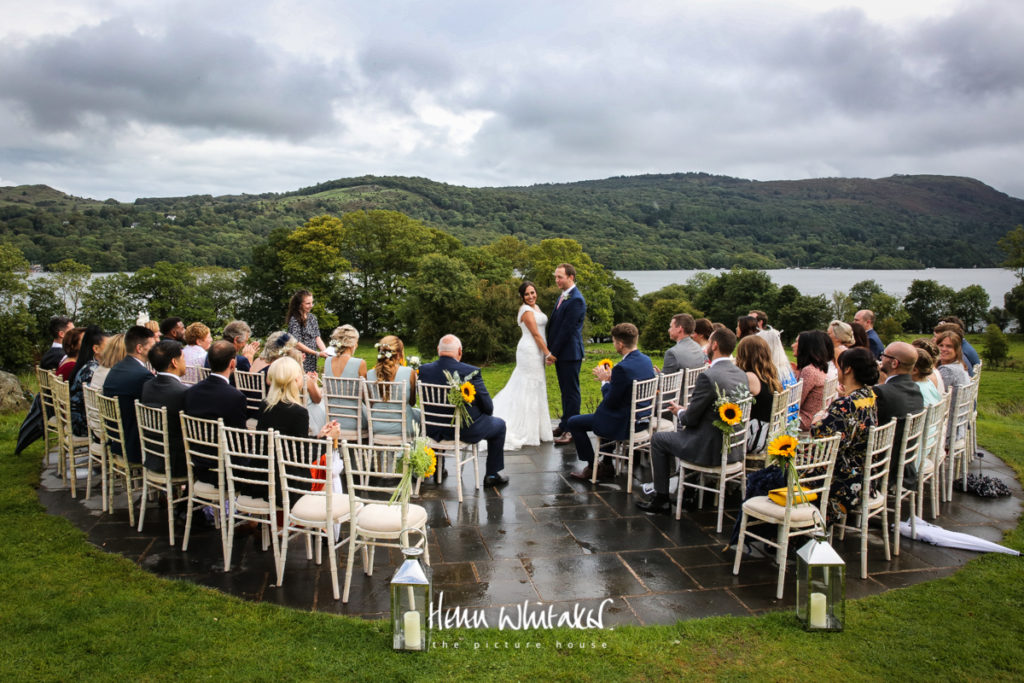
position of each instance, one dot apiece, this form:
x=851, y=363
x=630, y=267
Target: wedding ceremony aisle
x=543, y=538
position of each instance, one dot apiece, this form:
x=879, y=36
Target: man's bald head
x=902, y=353
x=449, y=346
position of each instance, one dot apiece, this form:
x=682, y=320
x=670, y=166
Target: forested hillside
x=690, y=220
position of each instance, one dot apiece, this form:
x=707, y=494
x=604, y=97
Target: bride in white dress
x=523, y=402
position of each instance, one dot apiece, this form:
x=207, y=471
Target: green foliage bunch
x=17, y=325
x=997, y=347
x=654, y=335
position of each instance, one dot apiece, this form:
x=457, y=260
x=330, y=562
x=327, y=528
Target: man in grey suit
x=686, y=354
x=898, y=397
x=697, y=439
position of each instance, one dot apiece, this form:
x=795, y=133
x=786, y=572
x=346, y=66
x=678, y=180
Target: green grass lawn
x=70, y=611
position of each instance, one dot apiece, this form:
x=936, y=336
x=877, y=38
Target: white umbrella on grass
x=936, y=535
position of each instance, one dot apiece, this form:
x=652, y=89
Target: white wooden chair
x=814, y=463
x=254, y=386
x=155, y=441
x=876, y=476
x=909, y=454
x=777, y=421
x=670, y=387
x=311, y=505
x=934, y=454
x=388, y=407
x=436, y=412
x=69, y=447
x=689, y=383
x=51, y=437
x=118, y=467
x=641, y=414
x=97, y=444
x=829, y=392
x=724, y=472
x=958, y=457
x=194, y=374
x=972, y=422
x=793, y=404
x=344, y=401
x=250, y=466
x=372, y=473
x=204, y=460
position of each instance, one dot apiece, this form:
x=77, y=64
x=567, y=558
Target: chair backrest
x=195, y=374
x=92, y=413
x=388, y=404
x=960, y=413
x=45, y=377
x=343, y=401
x=877, y=457
x=250, y=460
x=642, y=404
x=435, y=410
x=689, y=382
x=153, y=436
x=670, y=386
x=254, y=386
x=814, y=463
x=912, y=445
x=738, y=438
x=779, y=415
x=61, y=393
x=795, y=396
x=305, y=467
x=202, y=445
x=113, y=431
x=829, y=392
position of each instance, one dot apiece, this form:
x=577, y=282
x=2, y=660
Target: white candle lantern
x=820, y=586
x=410, y=603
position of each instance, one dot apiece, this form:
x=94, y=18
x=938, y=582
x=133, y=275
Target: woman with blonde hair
x=113, y=353
x=841, y=335
x=391, y=367
x=282, y=345
x=754, y=357
x=345, y=341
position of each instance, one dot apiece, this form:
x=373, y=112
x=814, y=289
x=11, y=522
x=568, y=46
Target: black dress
x=290, y=419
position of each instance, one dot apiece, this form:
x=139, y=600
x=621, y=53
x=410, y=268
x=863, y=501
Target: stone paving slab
x=544, y=539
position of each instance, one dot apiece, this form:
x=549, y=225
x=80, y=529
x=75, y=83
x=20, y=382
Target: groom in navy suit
x=565, y=345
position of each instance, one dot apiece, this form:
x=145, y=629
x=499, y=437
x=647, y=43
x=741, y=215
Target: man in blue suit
x=125, y=381
x=483, y=425
x=611, y=419
x=214, y=398
x=565, y=345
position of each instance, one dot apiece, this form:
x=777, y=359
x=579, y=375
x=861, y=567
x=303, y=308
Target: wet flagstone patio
x=544, y=538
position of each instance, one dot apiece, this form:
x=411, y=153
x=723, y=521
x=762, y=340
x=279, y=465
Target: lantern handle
x=421, y=532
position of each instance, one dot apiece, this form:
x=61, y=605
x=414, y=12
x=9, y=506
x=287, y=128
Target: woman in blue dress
x=391, y=367
x=344, y=341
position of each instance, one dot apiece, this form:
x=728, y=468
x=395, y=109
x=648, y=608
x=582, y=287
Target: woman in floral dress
x=303, y=325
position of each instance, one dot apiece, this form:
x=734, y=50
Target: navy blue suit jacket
x=433, y=373
x=167, y=392
x=611, y=419
x=213, y=398
x=565, y=327
x=124, y=382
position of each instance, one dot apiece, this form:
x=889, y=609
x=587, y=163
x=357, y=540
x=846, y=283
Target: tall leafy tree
x=18, y=331
x=925, y=303
x=970, y=304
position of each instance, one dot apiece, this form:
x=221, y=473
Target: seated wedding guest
x=754, y=358
x=851, y=415
x=391, y=367
x=746, y=325
x=166, y=390
x=238, y=333
x=279, y=345
x=923, y=370
x=92, y=343
x=696, y=438
x=284, y=345
x=951, y=360
x=813, y=351
x=125, y=381
x=345, y=340
x=860, y=337
x=841, y=335
x=687, y=353
x=898, y=396
x=483, y=426
x=154, y=327
x=971, y=356
x=933, y=351
x=783, y=369
x=958, y=329
x=113, y=353
x=72, y=343
x=174, y=329
x=59, y=326
x=702, y=329
x=197, y=340
x=214, y=397
x=610, y=421
x=866, y=319
x=762, y=320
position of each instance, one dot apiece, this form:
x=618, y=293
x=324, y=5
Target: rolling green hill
x=684, y=220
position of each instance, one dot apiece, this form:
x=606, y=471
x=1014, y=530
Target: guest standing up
x=303, y=325
x=565, y=345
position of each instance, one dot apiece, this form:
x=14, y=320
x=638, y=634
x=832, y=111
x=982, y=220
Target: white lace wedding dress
x=523, y=401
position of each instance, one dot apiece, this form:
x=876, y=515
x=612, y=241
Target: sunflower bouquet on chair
x=782, y=451
x=422, y=464
x=728, y=409
x=461, y=393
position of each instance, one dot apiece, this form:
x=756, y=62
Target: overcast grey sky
x=126, y=99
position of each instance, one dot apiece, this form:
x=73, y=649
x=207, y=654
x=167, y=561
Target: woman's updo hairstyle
x=345, y=337
x=862, y=363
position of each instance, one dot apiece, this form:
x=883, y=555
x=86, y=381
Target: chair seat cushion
x=313, y=507
x=665, y=425
x=387, y=519
x=204, y=489
x=762, y=507
x=252, y=505
x=876, y=501
x=731, y=468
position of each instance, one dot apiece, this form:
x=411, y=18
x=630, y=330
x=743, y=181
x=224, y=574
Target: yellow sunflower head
x=468, y=392
x=606, y=363
x=783, y=446
x=730, y=413
x=433, y=463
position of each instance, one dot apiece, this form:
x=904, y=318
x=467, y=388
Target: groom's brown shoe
x=564, y=438
x=558, y=431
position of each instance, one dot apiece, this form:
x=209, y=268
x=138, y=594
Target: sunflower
x=606, y=363
x=783, y=446
x=433, y=463
x=468, y=392
x=730, y=414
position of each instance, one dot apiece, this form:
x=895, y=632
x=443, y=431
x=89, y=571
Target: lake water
x=811, y=282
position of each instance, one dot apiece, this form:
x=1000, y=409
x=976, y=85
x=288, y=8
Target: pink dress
x=810, y=399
